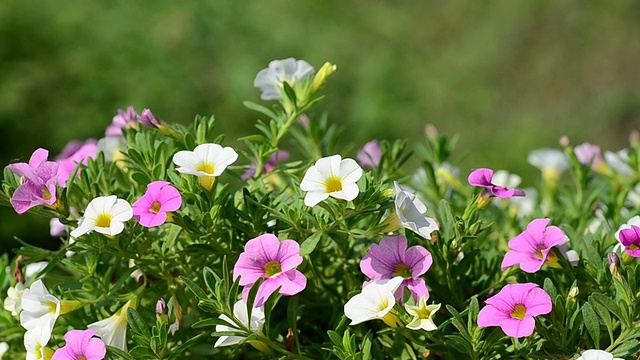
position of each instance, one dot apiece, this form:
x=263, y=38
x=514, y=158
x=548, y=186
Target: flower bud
x=614, y=264
x=574, y=292
x=320, y=78
x=161, y=307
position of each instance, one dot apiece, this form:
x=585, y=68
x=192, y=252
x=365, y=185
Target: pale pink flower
x=38, y=182
x=369, y=156
x=74, y=153
x=81, y=345
x=532, y=248
x=151, y=209
x=124, y=119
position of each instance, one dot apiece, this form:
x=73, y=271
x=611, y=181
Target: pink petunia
x=38, y=183
x=629, y=235
x=274, y=261
x=81, y=345
x=392, y=258
x=124, y=119
x=151, y=209
x=74, y=153
x=369, y=156
x=532, y=248
x=514, y=307
x=483, y=178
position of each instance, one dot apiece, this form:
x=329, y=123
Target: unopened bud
x=634, y=137
x=431, y=131
x=614, y=264
x=321, y=76
x=574, y=292
x=161, y=307
x=564, y=141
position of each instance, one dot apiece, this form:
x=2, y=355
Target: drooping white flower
x=40, y=309
x=206, y=161
x=290, y=70
x=597, y=355
x=619, y=162
x=240, y=312
x=552, y=163
x=422, y=315
x=331, y=176
x=104, y=214
x=113, y=330
x=35, y=342
x=4, y=347
x=374, y=302
x=412, y=213
x=13, y=301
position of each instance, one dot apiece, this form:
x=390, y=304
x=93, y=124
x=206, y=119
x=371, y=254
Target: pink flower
x=81, y=345
x=274, y=261
x=629, y=235
x=123, y=120
x=532, y=247
x=392, y=258
x=38, y=181
x=149, y=120
x=151, y=209
x=74, y=153
x=588, y=154
x=514, y=307
x=482, y=177
x=370, y=155
x=269, y=166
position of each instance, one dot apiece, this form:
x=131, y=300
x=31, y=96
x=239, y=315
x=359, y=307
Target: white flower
x=551, y=162
x=13, y=301
x=524, y=206
x=270, y=80
x=240, y=312
x=104, y=214
x=3, y=348
x=619, y=162
x=112, y=147
x=35, y=342
x=422, y=315
x=113, y=330
x=331, y=176
x=374, y=302
x=597, y=355
x=412, y=213
x=34, y=269
x=505, y=179
x=633, y=198
x=39, y=308
x=207, y=161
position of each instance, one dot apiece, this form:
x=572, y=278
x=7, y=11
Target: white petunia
x=505, y=179
x=40, y=309
x=104, y=214
x=35, y=342
x=113, y=330
x=619, y=162
x=412, y=213
x=240, y=312
x=422, y=315
x=374, y=302
x=551, y=162
x=13, y=301
x=4, y=347
x=597, y=355
x=206, y=161
x=290, y=70
x=331, y=176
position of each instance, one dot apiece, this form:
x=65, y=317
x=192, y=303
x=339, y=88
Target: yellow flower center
x=46, y=194
x=155, y=207
x=539, y=252
x=272, y=269
x=103, y=220
x=52, y=307
x=518, y=312
x=383, y=305
x=81, y=357
x=333, y=184
x=633, y=247
x=206, y=167
x=403, y=270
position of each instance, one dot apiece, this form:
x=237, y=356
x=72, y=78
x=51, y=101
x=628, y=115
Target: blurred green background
x=508, y=76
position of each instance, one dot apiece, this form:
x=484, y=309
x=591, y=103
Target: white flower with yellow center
x=39, y=308
x=113, y=330
x=331, y=176
x=240, y=312
x=422, y=315
x=412, y=213
x=376, y=301
x=13, y=301
x=551, y=162
x=104, y=214
x=35, y=342
x=206, y=161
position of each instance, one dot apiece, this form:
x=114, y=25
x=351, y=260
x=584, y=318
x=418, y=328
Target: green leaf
x=136, y=323
x=260, y=109
x=310, y=244
x=186, y=345
x=609, y=304
x=197, y=290
x=117, y=352
x=591, y=323
x=211, y=322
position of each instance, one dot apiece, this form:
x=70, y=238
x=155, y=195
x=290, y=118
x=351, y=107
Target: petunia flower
x=74, y=153
x=35, y=343
x=113, y=330
x=38, y=182
x=151, y=209
x=81, y=345
x=13, y=301
x=514, y=308
x=392, y=258
x=412, y=213
x=274, y=261
x=271, y=164
x=105, y=215
x=206, y=161
x=331, y=176
x=4, y=347
x=505, y=179
x=40, y=309
x=552, y=163
x=240, y=312
x=376, y=301
x=532, y=248
x=149, y=120
x=483, y=178
x=369, y=156
x=589, y=154
x=597, y=355
x=629, y=235
x=289, y=70
x=124, y=119
x=619, y=162
x=422, y=315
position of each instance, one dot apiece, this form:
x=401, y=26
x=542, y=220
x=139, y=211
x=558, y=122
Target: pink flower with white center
x=331, y=176
x=123, y=120
x=629, y=235
x=369, y=156
x=532, y=248
x=151, y=209
x=274, y=261
x=76, y=152
x=81, y=345
x=483, y=178
x=38, y=182
x=514, y=307
x=392, y=258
